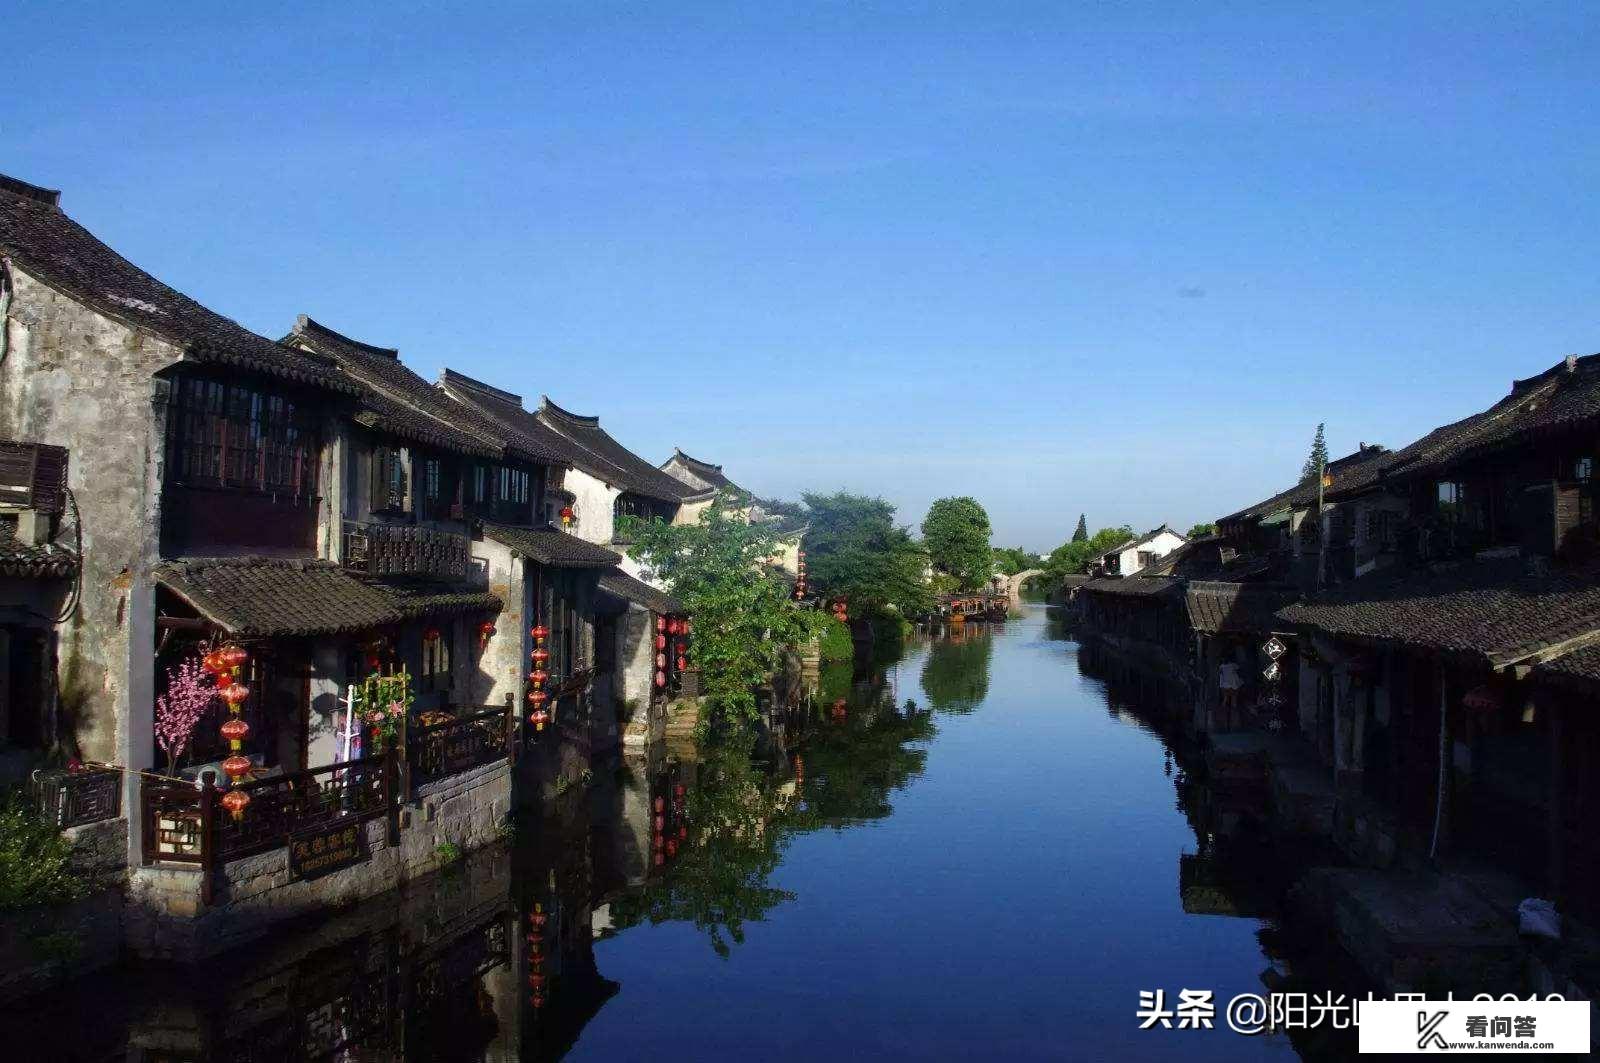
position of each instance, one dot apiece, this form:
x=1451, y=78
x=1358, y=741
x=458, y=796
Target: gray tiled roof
x=501, y=413
x=602, y=456
x=264, y=597
x=1132, y=586
x=47, y=561
x=1496, y=611
x=711, y=474
x=397, y=400
x=1578, y=670
x=634, y=590
x=552, y=547
x=1234, y=607
x=64, y=255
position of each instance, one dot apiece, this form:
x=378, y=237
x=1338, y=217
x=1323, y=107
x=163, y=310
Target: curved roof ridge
x=48, y=196
x=546, y=406
x=678, y=452
x=304, y=324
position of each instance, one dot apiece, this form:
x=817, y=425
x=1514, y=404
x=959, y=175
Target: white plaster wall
x=500, y=667
x=595, y=505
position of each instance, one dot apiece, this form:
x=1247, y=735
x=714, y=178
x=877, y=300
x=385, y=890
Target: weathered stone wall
x=165, y=918
x=76, y=378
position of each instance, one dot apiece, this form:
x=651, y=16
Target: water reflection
x=996, y=871
x=955, y=676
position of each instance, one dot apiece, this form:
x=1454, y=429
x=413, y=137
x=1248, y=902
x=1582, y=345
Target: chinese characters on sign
x=322, y=850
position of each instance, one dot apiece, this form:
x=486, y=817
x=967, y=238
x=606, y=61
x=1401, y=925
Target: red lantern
x=373, y=662
x=537, y=698
x=661, y=623
x=235, y=731
x=540, y=656
x=214, y=663
x=661, y=679
x=661, y=642
x=234, y=656
x=233, y=694
x=538, y=677
x=539, y=718
x=235, y=801
x=237, y=767
x=660, y=804
x=661, y=660
x=683, y=662
x=540, y=633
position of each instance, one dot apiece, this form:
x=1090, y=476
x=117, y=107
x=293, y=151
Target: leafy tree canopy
x=1013, y=559
x=956, y=533
x=854, y=548
x=1081, y=532
x=1200, y=530
x=743, y=619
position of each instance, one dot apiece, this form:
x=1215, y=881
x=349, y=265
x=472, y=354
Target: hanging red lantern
x=537, y=697
x=233, y=655
x=234, y=694
x=432, y=635
x=661, y=642
x=661, y=623
x=661, y=660
x=661, y=679
x=538, y=677
x=540, y=656
x=235, y=731
x=567, y=516
x=235, y=801
x=540, y=633
x=237, y=767
x=214, y=663
x=373, y=661
x=539, y=718
x=660, y=804
x=683, y=662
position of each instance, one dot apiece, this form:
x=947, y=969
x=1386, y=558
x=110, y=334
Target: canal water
x=984, y=849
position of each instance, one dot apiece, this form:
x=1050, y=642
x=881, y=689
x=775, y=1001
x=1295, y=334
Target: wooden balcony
x=374, y=549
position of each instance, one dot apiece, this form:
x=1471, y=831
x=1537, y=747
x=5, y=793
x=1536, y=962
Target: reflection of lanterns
x=661, y=679
x=235, y=801
x=661, y=660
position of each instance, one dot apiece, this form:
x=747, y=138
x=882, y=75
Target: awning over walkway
x=617, y=582
x=551, y=547
x=257, y=597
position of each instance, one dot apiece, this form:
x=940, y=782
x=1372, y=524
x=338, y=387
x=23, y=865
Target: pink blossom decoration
x=179, y=711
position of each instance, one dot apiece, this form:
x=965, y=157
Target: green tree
x=854, y=548
x=1201, y=530
x=1080, y=534
x=1013, y=559
x=743, y=619
x=1318, y=459
x=956, y=533
x=1071, y=557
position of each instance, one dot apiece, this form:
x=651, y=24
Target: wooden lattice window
x=388, y=480
x=228, y=434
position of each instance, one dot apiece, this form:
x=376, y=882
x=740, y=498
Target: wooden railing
x=404, y=550
x=460, y=745
x=73, y=798
x=185, y=823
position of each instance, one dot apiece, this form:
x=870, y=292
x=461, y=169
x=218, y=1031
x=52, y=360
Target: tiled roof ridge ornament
x=678, y=452
x=305, y=325
x=50, y=197
x=462, y=380
x=546, y=406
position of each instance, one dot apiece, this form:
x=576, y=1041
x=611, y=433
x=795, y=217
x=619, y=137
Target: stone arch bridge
x=1014, y=583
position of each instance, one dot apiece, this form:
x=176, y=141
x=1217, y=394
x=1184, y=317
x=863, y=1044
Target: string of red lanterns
x=225, y=663
x=538, y=677
x=536, y=976
x=661, y=653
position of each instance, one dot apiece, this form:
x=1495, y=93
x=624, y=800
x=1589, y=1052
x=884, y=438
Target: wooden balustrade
x=73, y=798
x=375, y=549
x=184, y=823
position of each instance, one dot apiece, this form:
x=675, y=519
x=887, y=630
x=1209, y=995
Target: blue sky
x=1113, y=259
